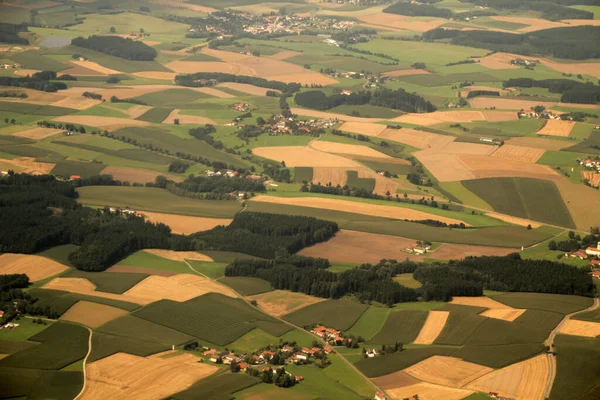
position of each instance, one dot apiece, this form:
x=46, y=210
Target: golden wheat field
x=35, y=267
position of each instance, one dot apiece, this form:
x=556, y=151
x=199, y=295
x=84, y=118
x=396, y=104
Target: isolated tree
x=176, y=121
x=113, y=29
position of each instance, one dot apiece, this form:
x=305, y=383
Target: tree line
x=553, y=10
x=117, y=46
x=201, y=79
x=34, y=82
x=397, y=99
x=572, y=91
x=9, y=33
x=418, y=10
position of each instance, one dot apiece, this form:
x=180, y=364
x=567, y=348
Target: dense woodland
x=418, y=10
x=265, y=235
x=553, y=10
x=572, y=91
x=201, y=79
x=118, y=47
x=34, y=82
x=398, y=99
x=468, y=277
x=576, y=43
x=9, y=33
x=39, y=212
x=214, y=187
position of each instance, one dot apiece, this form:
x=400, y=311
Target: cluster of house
x=330, y=335
x=495, y=395
x=592, y=253
x=490, y=140
x=281, y=124
x=223, y=172
x=417, y=248
x=360, y=75
x=524, y=62
x=10, y=66
x=10, y=325
x=546, y=114
x=294, y=24
x=590, y=164
x=126, y=211
x=241, y=107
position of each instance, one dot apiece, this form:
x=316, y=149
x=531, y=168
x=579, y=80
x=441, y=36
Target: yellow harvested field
x=95, y=67
x=347, y=149
x=282, y=302
x=500, y=116
x=490, y=167
x=535, y=24
x=446, y=167
x=329, y=115
x=592, y=177
x=480, y=301
x=452, y=251
x=26, y=72
x=181, y=287
x=83, y=286
x=35, y=267
x=92, y=314
x=503, y=314
x=304, y=78
x=580, y=328
x=428, y=391
x=216, y=92
x=134, y=175
x=513, y=220
x=77, y=103
x=38, y=133
x=539, y=143
x=583, y=202
x=124, y=376
x=466, y=148
x=246, y=88
x=191, y=67
x=415, y=138
x=334, y=175
x=28, y=165
x=186, y=225
x=101, y=122
x=167, y=76
x=439, y=117
x=518, y=153
x=137, y=111
x=447, y=371
x=499, y=61
x=361, y=247
x=553, y=127
x=300, y=156
x=383, y=185
x=187, y=119
x=178, y=255
x=524, y=380
x=33, y=96
x=363, y=128
x=405, y=72
x=284, y=55
x=435, y=322
x=505, y=103
x=141, y=270
x=394, y=212
x=181, y=4
x=403, y=22
x=394, y=380
x=592, y=69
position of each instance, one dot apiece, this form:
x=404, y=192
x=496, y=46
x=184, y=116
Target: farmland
x=339, y=314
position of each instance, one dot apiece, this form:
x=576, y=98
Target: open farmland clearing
x=500, y=116
x=580, y=328
x=428, y=391
x=35, y=267
x=124, y=376
x=347, y=149
x=282, y=302
x=338, y=314
x=499, y=61
x=401, y=22
x=334, y=175
x=355, y=207
x=77, y=103
x=178, y=255
x=330, y=115
x=108, y=123
x=92, y=314
x=28, y=165
x=524, y=380
x=166, y=76
x=518, y=153
x=452, y=251
x=434, y=324
x=246, y=88
x=447, y=371
x=494, y=309
x=554, y=127
x=185, y=119
x=135, y=175
x=185, y=225
x=504, y=103
x=490, y=167
x=439, y=117
x=297, y=156
x=539, y=143
x=141, y=270
x=38, y=133
x=405, y=72
x=415, y=138
x=363, y=128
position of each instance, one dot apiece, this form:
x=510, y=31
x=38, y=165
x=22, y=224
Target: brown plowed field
x=360, y=247
x=282, y=302
x=38, y=133
x=35, y=267
x=92, y=314
x=347, y=149
x=181, y=287
x=28, y=165
x=363, y=128
x=245, y=88
x=428, y=391
x=80, y=70
x=499, y=116
x=447, y=371
x=524, y=380
x=134, y=175
x=441, y=116
x=405, y=72
x=299, y=156
x=592, y=69
x=355, y=207
x=101, y=122
x=415, y=138
x=137, y=111
x=518, y=153
x=451, y=251
x=435, y=322
x=580, y=328
x=467, y=148
x=186, y=225
x=178, y=255
x=140, y=270
x=499, y=61
x=535, y=24
x=553, y=127
x=125, y=376
x=191, y=67
x=540, y=143
x=383, y=185
x=26, y=71
x=187, y=119
x=167, y=76
x=77, y=103
x=505, y=103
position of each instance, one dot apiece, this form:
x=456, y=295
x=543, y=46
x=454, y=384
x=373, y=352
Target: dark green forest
x=118, y=47
x=572, y=91
x=201, y=79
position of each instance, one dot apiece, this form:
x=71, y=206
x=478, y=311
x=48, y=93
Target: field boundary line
x=84, y=364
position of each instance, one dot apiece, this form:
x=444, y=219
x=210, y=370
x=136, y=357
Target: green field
x=157, y=200
x=40, y=384
x=562, y=304
x=111, y=282
x=26, y=330
x=354, y=181
x=529, y=198
x=588, y=146
x=60, y=254
x=247, y=286
x=146, y=331
x=400, y=326
x=578, y=363
x=211, y=269
x=302, y=174
x=592, y=316
x=67, y=168
x=370, y=322
x=213, y=317
x=255, y=339
x=499, y=356
x=338, y=314
x=219, y=387
x=61, y=301
x=389, y=363
x=459, y=328
x=104, y=345
x=407, y=280
x=174, y=98
x=147, y=260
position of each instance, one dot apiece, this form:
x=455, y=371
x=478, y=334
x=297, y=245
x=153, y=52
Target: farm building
x=593, y=251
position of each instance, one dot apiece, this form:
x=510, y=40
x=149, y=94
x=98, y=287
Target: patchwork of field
x=580, y=328
x=553, y=127
x=400, y=22
x=38, y=133
x=428, y=391
x=92, y=314
x=495, y=309
x=185, y=119
x=452, y=251
x=435, y=322
x=296, y=156
x=524, y=380
x=124, y=376
x=245, y=88
x=347, y=149
x=518, y=153
x=178, y=255
x=282, y=302
x=539, y=143
x=185, y=225
x=415, y=138
x=35, y=267
x=447, y=371
x=107, y=123
x=439, y=117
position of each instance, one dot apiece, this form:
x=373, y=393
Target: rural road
x=84, y=364
x=377, y=388
x=550, y=342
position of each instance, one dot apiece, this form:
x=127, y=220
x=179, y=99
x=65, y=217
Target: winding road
x=84, y=365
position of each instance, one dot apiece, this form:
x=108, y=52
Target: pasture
x=400, y=326
x=338, y=314
x=574, y=378
x=282, y=302
x=143, y=259
x=390, y=363
x=247, y=286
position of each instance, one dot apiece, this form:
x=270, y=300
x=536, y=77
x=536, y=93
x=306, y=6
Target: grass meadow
x=147, y=260
x=247, y=286
x=338, y=314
